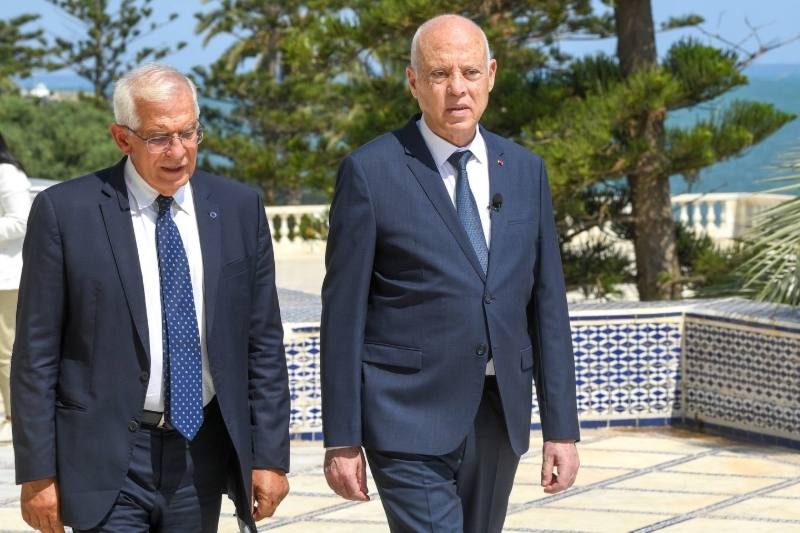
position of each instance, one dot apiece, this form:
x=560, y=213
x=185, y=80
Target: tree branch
x=749, y=56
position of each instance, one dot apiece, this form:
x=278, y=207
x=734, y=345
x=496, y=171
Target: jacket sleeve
x=268, y=382
x=37, y=347
x=345, y=294
x=15, y=202
x=548, y=319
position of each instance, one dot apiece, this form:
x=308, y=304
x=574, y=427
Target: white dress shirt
x=144, y=213
x=477, y=172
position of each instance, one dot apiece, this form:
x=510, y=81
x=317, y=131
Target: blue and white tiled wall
x=627, y=365
x=742, y=370
x=728, y=364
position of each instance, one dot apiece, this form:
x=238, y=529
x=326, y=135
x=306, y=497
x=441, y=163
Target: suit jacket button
x=487, y=298
x=481, y=349
x=144, y=376
x=133, y=426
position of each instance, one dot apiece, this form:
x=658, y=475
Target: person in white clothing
x=15, y=203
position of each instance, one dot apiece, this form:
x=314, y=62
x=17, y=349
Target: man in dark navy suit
x=149, y=373
x=443, y=301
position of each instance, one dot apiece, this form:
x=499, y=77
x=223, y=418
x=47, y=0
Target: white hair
x=424, y=26
x=151, y=82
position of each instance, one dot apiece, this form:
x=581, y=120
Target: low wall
x=729, y=365
x=627, y=363
x=741, y=374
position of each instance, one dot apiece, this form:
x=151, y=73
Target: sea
x=777, y=84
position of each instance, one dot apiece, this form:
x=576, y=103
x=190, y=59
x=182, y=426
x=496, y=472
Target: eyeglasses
x=162, y=143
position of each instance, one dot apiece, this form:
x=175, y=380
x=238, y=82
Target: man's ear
x=412, y=81
x=120, y=136
x=492, y=72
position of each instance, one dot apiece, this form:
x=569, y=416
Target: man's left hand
x=270, y=487
x=561, y=455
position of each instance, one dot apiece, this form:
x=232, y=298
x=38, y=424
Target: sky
x=776, y=20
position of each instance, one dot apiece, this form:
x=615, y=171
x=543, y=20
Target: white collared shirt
x=477, y=170
x=144, y=213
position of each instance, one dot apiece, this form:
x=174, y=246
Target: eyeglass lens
x=189, y=139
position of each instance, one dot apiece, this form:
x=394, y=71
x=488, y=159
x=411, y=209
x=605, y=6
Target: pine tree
x=21, y=50
x=103, y=55
x=613, y=126
x=272, y=101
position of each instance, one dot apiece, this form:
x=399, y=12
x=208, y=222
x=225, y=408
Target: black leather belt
x=155, y=419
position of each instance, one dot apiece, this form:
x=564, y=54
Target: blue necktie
x=468, y=209
x=183, y=366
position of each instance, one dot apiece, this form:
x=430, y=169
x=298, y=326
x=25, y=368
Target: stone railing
x=723, y=216
x=730, y=365
x=282, y=218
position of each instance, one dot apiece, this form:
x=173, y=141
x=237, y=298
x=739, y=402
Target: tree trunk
x=654, y=244
x=99, y=63
x=294, y=196
x=654, y=241
x=636, y=40
x=269, y=192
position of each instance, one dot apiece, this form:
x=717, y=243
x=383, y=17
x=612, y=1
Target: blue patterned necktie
x=183, y=366
x=468, y=209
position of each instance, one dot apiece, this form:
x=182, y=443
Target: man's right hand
x=346, y=473
x=40, y=505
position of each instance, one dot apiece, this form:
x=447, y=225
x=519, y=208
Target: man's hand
x=563, y=455
x=270, y=487
x=40, y=505
x=346, y=473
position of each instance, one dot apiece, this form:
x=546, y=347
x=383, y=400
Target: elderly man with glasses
x=149, y=373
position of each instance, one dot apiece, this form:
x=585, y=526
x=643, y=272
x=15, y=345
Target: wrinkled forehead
x=451, y=44
x=166, y=117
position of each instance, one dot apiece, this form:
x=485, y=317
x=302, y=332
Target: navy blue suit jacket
x=81, y=356
x=408, y=316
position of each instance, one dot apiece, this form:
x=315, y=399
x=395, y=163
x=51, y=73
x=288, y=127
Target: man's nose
x=457, y=84
x=176, y=147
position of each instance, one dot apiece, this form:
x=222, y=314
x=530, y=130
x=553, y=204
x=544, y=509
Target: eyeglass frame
x=198, y=130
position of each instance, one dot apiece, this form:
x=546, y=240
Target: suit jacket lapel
x=424, y=169
x=208, y=213
x=117, y=217
x=498, y=183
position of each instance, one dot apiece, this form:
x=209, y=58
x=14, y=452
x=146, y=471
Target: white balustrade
x=283, y=212
x=723, y=216
x=282, y=244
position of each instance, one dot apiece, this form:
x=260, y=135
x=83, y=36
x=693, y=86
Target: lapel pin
x=212, y=214
x=500, y=162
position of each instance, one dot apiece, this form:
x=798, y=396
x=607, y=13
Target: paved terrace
x=668, y=479
x=631, y=480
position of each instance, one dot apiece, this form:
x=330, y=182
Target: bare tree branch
x=576, y=228
x=748, y=56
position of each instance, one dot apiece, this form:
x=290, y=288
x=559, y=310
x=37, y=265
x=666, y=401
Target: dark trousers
x=466, y=490
x=173, y=485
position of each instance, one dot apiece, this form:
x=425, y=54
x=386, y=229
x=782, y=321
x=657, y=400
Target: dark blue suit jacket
x=408, y=316
x=81, y=356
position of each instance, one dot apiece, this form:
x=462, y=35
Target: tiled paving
x=631, y=480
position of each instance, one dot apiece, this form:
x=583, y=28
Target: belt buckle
x=162, y=421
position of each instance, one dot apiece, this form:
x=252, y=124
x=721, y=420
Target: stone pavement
x=631, y=480
x=300, y=268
